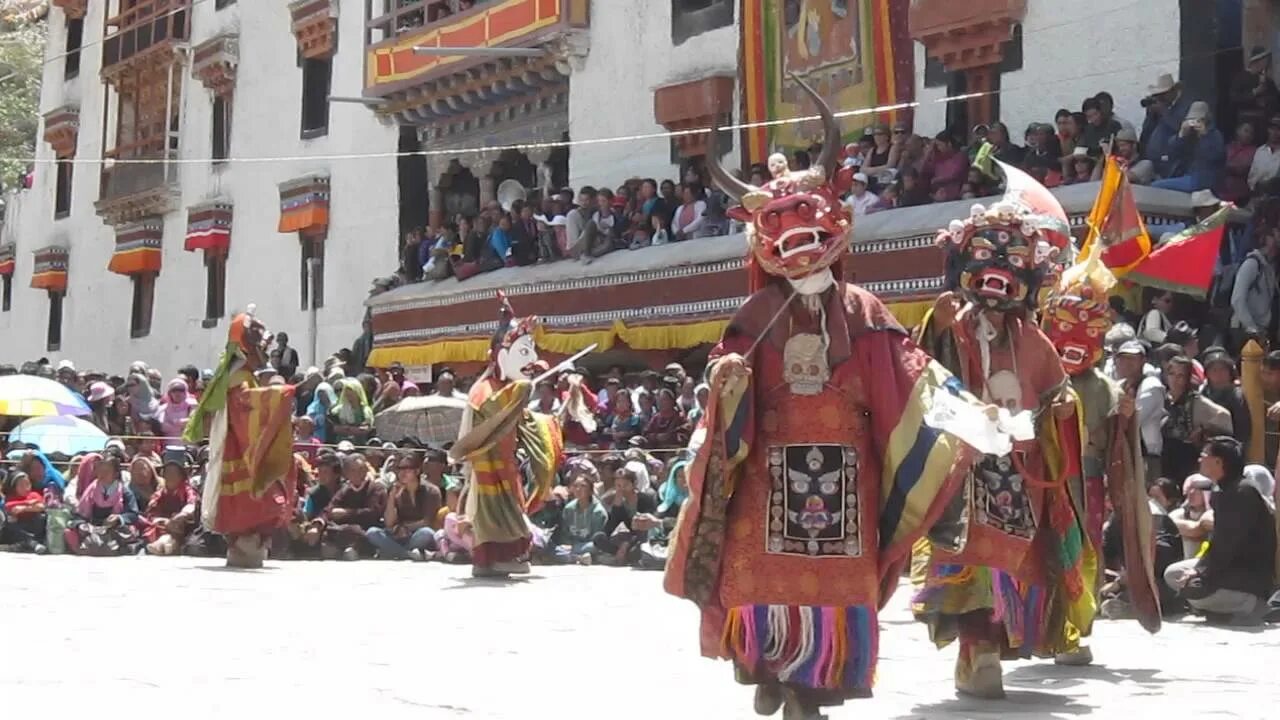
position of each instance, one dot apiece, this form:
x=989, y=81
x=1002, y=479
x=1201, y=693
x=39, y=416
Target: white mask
x=513, y=361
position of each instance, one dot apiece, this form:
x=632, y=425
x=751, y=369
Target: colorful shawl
x=353, y=407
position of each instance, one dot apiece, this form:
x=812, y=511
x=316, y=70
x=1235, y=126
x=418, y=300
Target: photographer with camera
x=1197, y=155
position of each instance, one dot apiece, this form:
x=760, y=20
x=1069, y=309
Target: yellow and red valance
x=8, y=258
x=138, y=248
x=50, y=271
x=209, y=228
x=304, y=204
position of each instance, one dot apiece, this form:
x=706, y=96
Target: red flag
x=1184, y=263
x=1117, y=224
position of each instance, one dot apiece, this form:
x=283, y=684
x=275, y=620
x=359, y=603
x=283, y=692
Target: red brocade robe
x=804, y=505
x=253, y=490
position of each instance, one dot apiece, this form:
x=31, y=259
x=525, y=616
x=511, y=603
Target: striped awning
x=50, y=271
x=138, y=248
x=8, y=258
x=209, y=228
x=304, y=204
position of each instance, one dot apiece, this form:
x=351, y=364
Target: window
x=316, y=76
x=62, y=193
x=7, y=292
x=694, y=17
x=53, y=335
x=220, y=4
x=144, y=295
x=215, y=289
x=221, y=128
x=75, y=38
x=312, y=271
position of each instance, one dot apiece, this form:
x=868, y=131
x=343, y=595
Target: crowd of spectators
x=578, y=226
x=359, y=495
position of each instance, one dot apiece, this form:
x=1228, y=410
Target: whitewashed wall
x=263, y=266
x=1073, y=50
x=632, y=56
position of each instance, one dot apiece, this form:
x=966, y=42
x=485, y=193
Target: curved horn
x=829, y=160
x=730, y=185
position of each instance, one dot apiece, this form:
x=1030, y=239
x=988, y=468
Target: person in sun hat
x=1167, y=106
x=1254, y=96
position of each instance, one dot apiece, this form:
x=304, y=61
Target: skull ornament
x=796, y=224
x=805, y=366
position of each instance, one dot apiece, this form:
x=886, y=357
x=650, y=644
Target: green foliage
x=21, y=68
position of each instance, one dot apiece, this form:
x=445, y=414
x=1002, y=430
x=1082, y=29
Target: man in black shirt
x=1232, y=581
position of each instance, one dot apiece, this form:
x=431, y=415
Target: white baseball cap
x=861, y=178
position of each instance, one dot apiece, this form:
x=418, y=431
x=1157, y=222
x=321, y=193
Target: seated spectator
x=1125, y=150
x=357, y=506
x=945, y=167
x=1068, y=136
x=1234, y=186
x=861, y=199
x=885, y=152
x=1082, y=167
x=1168, y=550
x=582, y=234
x=1004, y=149
x=143, y=480
x=1167, y=109
x=172, y=515
x=44, y=477
x=524, y=234
x=1166, y=493
x=1098, y=126
x=175, y=407
x=622, y=423
x=546, y=400
x=668, y=427
x=690, y=215
x=1197, y=154
x=412, y=506
x=631, y=516
x=107, y=513
x=22, y=525
x=659, y=235
x=582, y=519
x=673, y=493
x=1233, y=579
x=716, y=223
x=322, y=403
x=500, y=243
x=352, y=417
x=1192, y=517
x=1254, y=96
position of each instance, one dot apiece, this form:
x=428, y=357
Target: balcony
x=137, y=185
x=143, y=34
x=429, y=89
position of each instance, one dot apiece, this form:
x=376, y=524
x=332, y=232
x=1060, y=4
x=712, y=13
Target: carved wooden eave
x=74, y=9
x=214, y=63
x=143, y=68
x=315, y=25
x=965, y=35
x=694, y=104
x=145, y=203
x=62, y=130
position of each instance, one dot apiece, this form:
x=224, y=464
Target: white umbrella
x=66, y=435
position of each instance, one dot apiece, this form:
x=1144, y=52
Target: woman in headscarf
x=142, y=480
x=623, y=424
x=85, y=474
x=175, y=408
x=1259, y=478
x=701, y=393
x=143, y=404
x=107, y=513
x=668, y=427
x=45, y=478
x=324, y=400
x=352, y=418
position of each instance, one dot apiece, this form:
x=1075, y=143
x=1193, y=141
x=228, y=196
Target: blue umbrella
x=60, y=434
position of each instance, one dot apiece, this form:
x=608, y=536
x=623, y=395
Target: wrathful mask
x=1076, y=315
x=1001, y=254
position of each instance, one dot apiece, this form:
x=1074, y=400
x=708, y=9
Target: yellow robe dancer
x=498, y=422
x=250, y=486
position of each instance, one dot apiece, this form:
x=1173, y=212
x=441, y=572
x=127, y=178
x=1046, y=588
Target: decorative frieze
x=214, y=63
x=315, y=25
x=62, y=130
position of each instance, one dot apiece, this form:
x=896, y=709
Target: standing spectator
x=1230, y=582
x=1146, y=395
x=284, y=358
x=1254, y=96
x=860, y=198
x=1197, y=154
x=1221, y=388
x=1155, y=324
x=690, y=216
x=1234, y=186
x=1266, y=160
x=1190, y=418
x=1254, y=291
x=946, y=167
x=1167, y=109
x=914, y=190
x=412, y=508
x=1098, y=126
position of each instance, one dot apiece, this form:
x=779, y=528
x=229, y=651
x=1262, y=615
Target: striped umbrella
x=66, y=435
x=31, y=396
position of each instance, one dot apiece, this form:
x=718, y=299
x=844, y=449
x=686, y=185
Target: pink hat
x=101, y=391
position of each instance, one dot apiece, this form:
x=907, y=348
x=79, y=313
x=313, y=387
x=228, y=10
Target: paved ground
x=115, y=637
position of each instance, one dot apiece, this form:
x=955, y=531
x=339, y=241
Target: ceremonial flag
x=1117, y=224
x=1184, y=263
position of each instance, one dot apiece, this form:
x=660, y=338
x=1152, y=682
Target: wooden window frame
x=312, y=247
x=315, y=111
x=53, y=327
x=221, y=140
x=144, y=303
x=6, y=293
x=74, y=41
x=64, y=179
x=215, y=290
